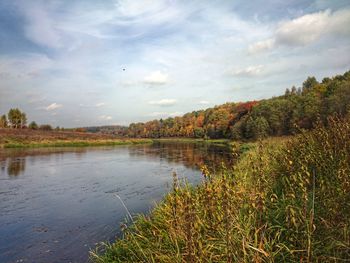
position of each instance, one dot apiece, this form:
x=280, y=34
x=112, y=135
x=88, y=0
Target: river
x=58, y=203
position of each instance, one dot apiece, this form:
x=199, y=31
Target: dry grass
x=17, y=138
x=283, y=202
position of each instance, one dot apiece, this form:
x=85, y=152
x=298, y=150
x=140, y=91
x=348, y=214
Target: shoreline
x=78, y=143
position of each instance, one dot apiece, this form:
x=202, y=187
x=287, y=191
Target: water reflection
x=13, y=161
x=63, y=200
x=16, y=166
x=192, y=155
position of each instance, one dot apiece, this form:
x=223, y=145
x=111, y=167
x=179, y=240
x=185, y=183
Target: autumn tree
x=3, y=121
x=16, y=118
x=298, y=108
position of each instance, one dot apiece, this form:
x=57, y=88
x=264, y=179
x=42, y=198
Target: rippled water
x=56, y=204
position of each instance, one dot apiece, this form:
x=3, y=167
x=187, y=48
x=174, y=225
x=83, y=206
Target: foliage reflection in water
x=57, y=203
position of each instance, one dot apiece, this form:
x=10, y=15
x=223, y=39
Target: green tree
x=262, y=127
x=33, y=125
x=198, y=132
x=15, y=118
x=250, y=128
x=23, y=120
x=45, y=127
x=309, y=83
x=3, y=121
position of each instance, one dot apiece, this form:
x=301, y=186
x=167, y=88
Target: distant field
x=17, y=138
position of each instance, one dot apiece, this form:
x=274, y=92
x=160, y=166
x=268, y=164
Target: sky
x=75, y=63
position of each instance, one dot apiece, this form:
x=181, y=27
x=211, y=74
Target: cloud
x=163, y=102
x=25, y=66
x=40, y=27
x=166, y=114
x=305, y=30
x=105, y=117
x=53, y=106
x=204, y=102
x=131, y=8
x=249, y=71
x=129, y=83
x=98, y=105
x=156, y=78
x=261, y=46
x=181, y=46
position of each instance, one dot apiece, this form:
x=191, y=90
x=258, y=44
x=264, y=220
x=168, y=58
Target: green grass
x=193, y=140
x=284, y=201
x=76, y=143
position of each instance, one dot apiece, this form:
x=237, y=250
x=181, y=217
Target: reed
x=284, y=201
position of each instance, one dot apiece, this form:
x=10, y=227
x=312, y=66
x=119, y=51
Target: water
x=57, y=204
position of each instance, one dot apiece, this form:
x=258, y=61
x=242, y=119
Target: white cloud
x=39, y=27
x=26, y=66
x=129, y=83
x=88, y=43
x=105, y=117
x=53, y=106
x=261, y=46
x=166, y=114
x=156, y=78
x=305, y=30
x=163, y=102
x=204, y=102
x=131, y=8
x=249, y=71
x=98, y=105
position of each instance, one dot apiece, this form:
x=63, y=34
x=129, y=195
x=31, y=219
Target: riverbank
x=284, y=201
x=194, y=140
x=26, y=138
x=238, y=146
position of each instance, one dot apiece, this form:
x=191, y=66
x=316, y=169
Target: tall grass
x=285, y=201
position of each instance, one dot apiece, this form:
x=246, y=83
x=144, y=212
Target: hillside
x=117, y=130
x=284, y=115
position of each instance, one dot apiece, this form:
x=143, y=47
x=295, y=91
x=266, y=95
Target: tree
x=250, y=128
x=262, y=127
x=287, y=92
x=45, y=127
x=309, y=83
x=198, y=132
x=15, y=118
x=23, y=120
x=33, y=125
x=3, y=121
x=300, y=107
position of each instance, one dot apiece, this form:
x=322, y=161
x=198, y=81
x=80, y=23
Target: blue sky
x=83, y=62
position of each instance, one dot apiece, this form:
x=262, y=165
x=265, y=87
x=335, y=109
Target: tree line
x=298, y=108
x=17, y=119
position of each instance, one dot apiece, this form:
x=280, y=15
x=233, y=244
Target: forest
x=299, y=108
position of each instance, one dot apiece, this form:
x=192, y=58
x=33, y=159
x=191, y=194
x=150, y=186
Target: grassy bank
x=285, y=201
x=239, y=146
x=24, y=138
x=76, y=143
x=194, y=140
